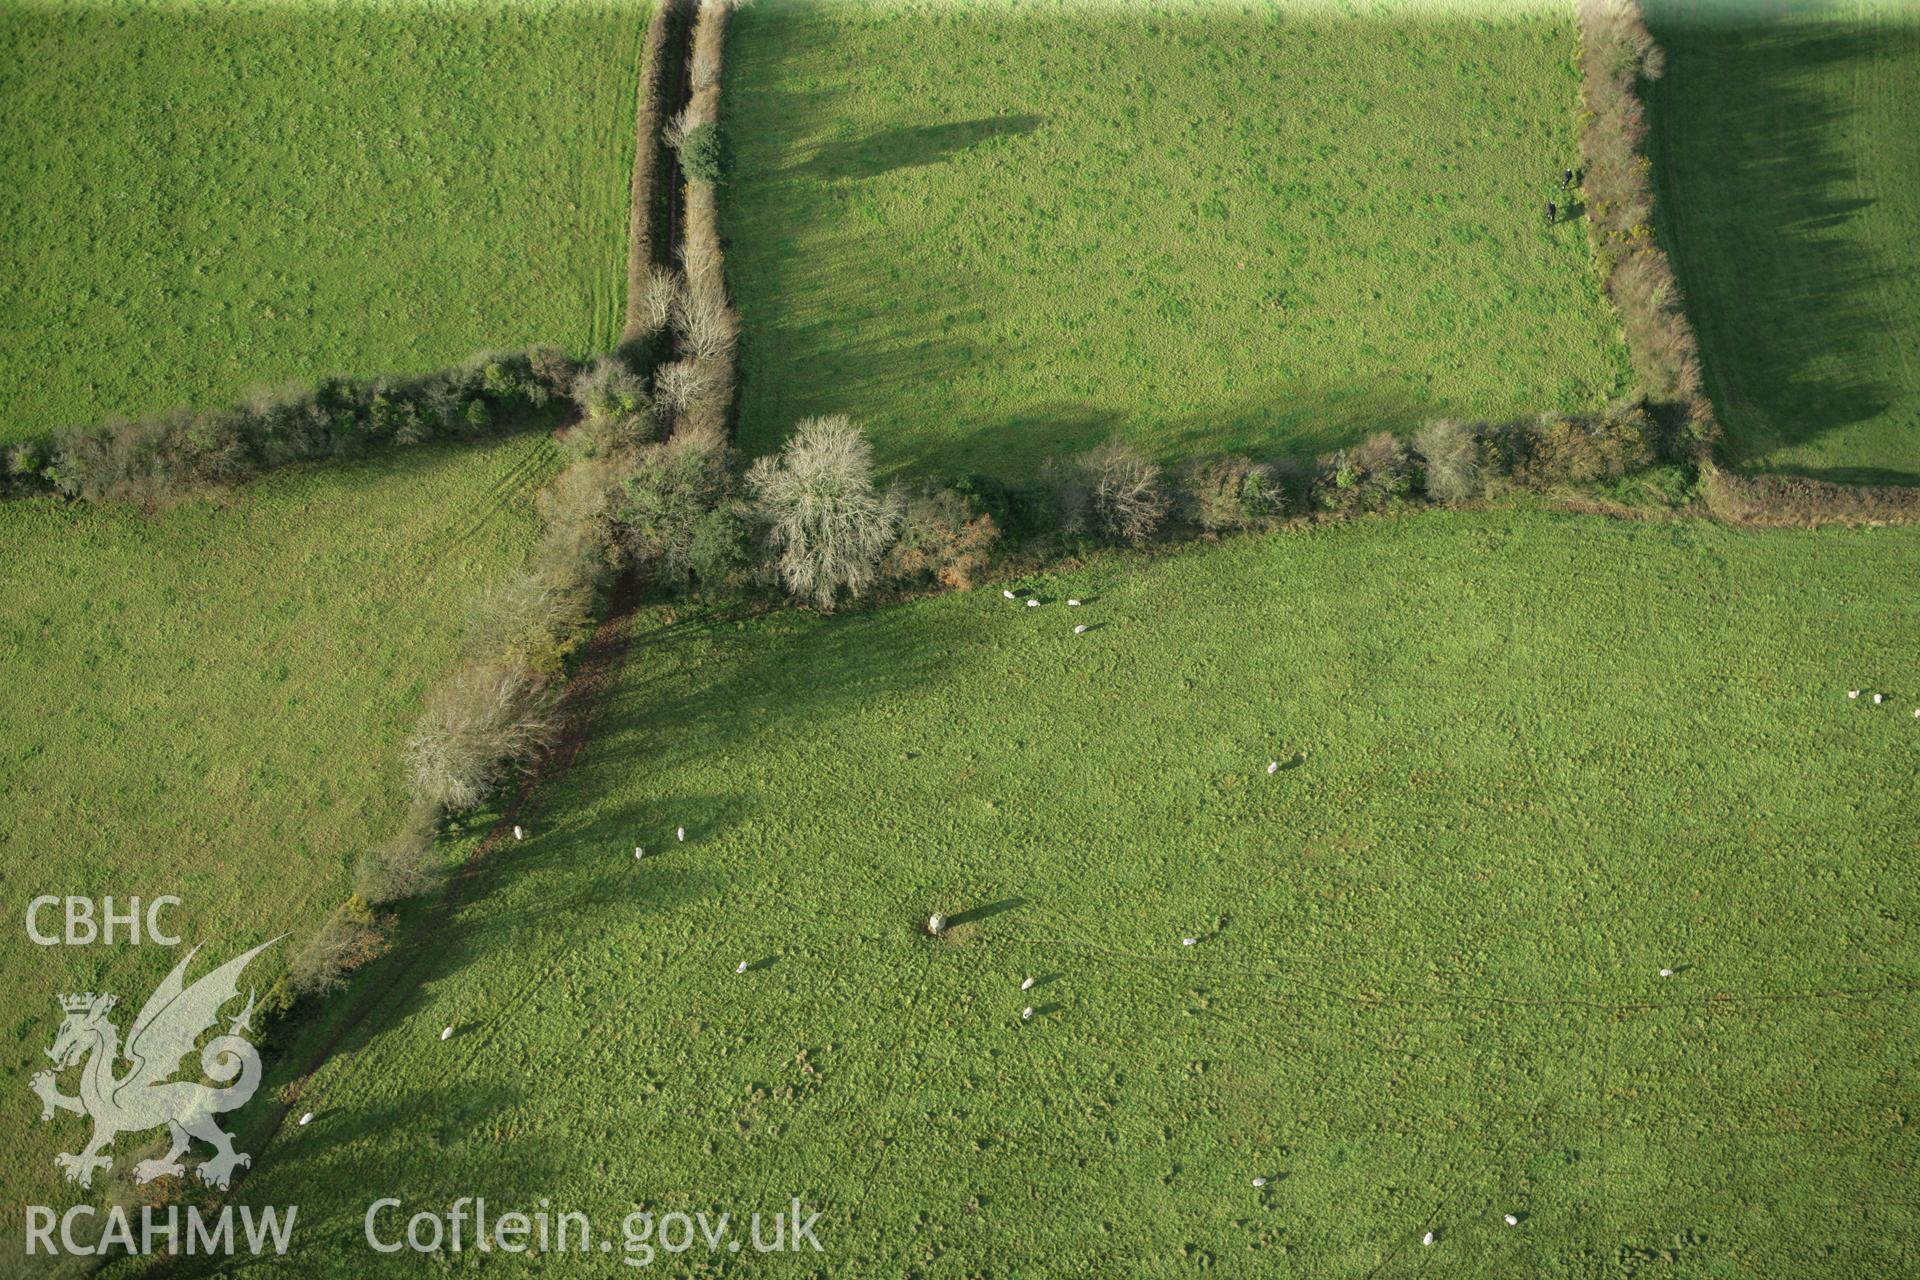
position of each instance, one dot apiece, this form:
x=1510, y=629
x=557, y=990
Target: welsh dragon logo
x=170, y=1023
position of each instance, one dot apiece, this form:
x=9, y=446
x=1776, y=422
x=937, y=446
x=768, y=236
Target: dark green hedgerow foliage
x=169, y=454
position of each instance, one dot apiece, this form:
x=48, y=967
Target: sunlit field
x=205, y=196
x=991, y=234
x=1524, y=763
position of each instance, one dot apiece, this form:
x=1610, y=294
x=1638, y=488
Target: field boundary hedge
x=650, y=235
x=709, y=413
x=1617, y=54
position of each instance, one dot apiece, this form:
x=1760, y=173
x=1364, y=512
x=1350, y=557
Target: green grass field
x=993, y=234
x=211, y=703
x=1789, y=171
x=204, y=196
x=1532, y=760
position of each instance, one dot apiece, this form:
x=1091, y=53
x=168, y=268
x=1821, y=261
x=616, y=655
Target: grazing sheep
x=1026, y=1013
x=1879, y=698
x=1028, y=984
x=447, y=1034
x=1427, y=1238
x=1259, y=1182
x=517, y=833
x=1666, y=973
x=307, y=1118
x=741, y=967
x=1510, y=1220
x=1074, y=603
x=680, y=834
x=1187, y=942
x=1916, y=713
x=638, y=853
x=1853, y=693
x=1080, y=630
x=1273, y=766
x=1033, y=604
x=1008, y=594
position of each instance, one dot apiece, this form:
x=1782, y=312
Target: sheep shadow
x=986, y=911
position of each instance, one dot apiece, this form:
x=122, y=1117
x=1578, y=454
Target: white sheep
x=1008, y=594
x=1187, y=942
x=1259, y=1182
x=1080, y=630
x=1033, y=604
x=680, y=834
x=1074, y=603
x=1666, y=973
x=1427, y=1238
x=307, y=1118
x=517, y=833
x=1510, y=1220
x=1853, y=693
x=638, y=853
x=1026, y=1014
x=447, y=1034
x=741, y=967
x=1273, y=767
x=1028, y=984
x=1879, y=698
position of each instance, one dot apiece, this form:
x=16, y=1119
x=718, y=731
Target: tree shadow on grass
x=909, y=146
x=1753, y=211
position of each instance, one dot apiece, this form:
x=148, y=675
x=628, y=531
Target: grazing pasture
x=993, y=233
x=1523, y=762
x=204, y=196
x=1789, y=181
x=210, y=703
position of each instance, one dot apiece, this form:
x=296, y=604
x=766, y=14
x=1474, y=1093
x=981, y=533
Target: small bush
x=481, y=724
x=1554, y=450
x=1377, y=475
x=662, y=289
x=826, y=524
x=663, y=507
x=703, y=150
x=677, y=387
x=1231, y=492
x=404, y=866
x=347, y=941
x=533, y=619
x=1124, y=498
x=944, y=538
x=1451, y=459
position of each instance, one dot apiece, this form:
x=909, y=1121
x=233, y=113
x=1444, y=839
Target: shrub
x=347, y=941
x=703, y=149
x=682, y=384
x=1123, y=494
x=707, y=326
x=1451, y=458
x=1231, y=492
x=481, y=723
x=24, y=459
x=1553, y=449
x=616, y=413
x=826, y=524
x=404, y=866
x=1377, y=475
x=944, y=538
x=533, y=619
x=661, y=291
x=663, y=505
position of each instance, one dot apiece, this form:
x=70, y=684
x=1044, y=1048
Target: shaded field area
x=1534, y=762
x=205, y=196
x=1789, y=181
x=993, y=234
x=210, y=703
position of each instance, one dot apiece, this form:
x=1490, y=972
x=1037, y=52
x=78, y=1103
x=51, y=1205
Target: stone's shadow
x=984, y=912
